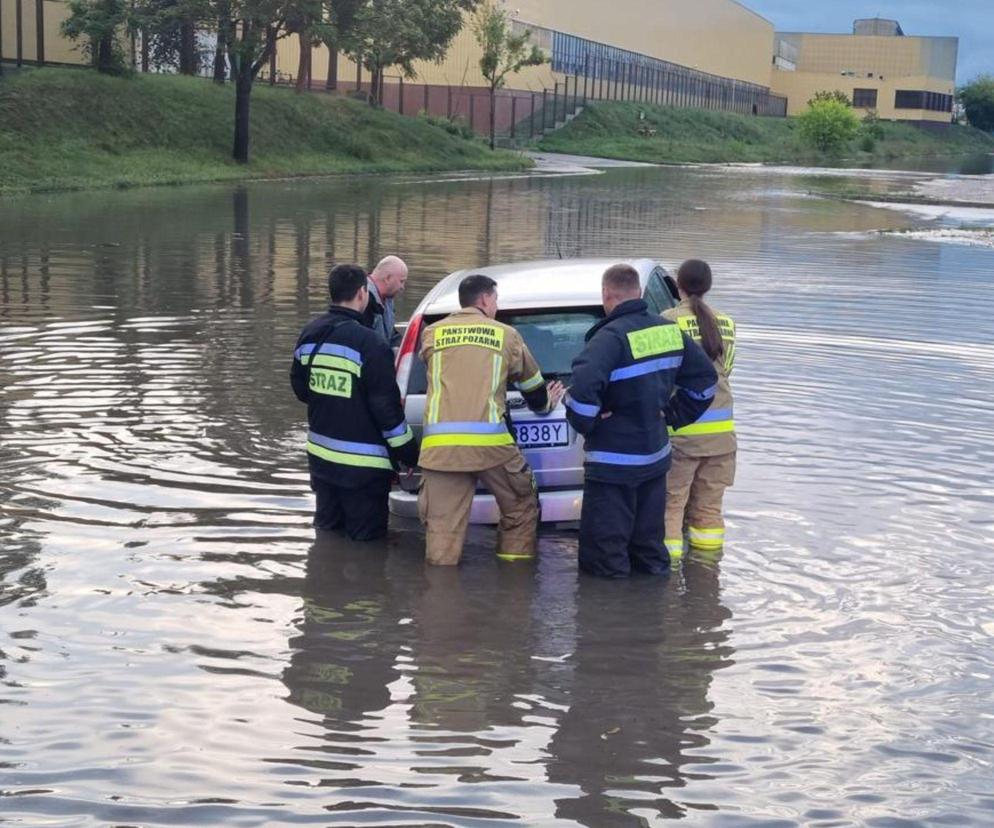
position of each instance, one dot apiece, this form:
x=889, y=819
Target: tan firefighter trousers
x=694, y=490
x=446, y=498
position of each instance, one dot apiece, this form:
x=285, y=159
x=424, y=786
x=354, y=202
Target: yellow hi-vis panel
x=691, y=327
x=659, y=339
x=699, y=429
x=483, y=336
x=334, y=383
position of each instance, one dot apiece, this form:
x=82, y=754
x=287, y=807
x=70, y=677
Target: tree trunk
x=493, y=116
x=374, y=86
x=243, y=93
x=105, y=54
x=304, y=64
x=188, y=48
x=331, y=83
x=221, y=51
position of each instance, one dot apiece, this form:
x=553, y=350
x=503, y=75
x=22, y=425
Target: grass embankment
x=66, y=129
x=611, y=130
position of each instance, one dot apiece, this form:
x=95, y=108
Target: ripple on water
x=177, y=649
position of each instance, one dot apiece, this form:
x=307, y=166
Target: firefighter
x=704, y=452
x=470, y=358
x=621, y=398
x=358, y=434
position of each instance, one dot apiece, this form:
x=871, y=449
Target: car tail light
x=407, y=354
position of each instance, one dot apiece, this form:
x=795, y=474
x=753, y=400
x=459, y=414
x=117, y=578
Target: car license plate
x=541, y=434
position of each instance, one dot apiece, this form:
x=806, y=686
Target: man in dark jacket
x=621, y=398
x=385, y=283
x=358, y=434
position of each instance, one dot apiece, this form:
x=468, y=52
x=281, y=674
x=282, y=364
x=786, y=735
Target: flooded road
x=177, y=649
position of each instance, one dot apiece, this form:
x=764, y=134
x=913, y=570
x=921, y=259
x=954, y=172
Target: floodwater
x=177, y=649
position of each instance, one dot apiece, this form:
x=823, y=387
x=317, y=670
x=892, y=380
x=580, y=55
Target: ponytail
x=694, y=279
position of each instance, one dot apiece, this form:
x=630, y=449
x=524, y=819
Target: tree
x=828, y=125
x=309, y=22
x=220, y=72
x=834, y=95
x=169, y=29
x=337, y=31
x=300, y=25
x=504, y=52
x=253, y=29
x=977, y=98
x=399, y=32
x=97, y=23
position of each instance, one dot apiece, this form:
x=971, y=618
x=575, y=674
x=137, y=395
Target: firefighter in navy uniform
x=621, y=399
x=358, y=433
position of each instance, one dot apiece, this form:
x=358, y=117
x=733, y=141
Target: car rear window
x=553, y=337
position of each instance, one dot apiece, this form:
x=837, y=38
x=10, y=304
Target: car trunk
x=549, y=444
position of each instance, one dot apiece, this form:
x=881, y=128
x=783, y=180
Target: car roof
x=544, y=283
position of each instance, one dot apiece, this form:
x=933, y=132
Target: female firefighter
x=703, y=452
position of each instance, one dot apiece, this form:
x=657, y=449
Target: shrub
x=828, y=125
x=872, y=126
x=834, y=95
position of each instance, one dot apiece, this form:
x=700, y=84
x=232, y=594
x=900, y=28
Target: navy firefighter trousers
x=362, y=512
x=621, y=528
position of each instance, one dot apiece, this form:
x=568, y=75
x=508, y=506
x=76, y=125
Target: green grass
x=74, y=129
x=610, y=130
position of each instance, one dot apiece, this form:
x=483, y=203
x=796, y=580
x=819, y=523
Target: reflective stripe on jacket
x=344, y=372
x=630, y=367
x=714, y=433
x=470, y=358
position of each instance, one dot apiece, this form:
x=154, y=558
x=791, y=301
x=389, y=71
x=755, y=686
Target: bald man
x=385, y=282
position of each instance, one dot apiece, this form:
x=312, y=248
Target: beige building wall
x=8, y=36
x=720, y=37
x=886, y=64
x=460, y=68
x=29, y=36
x=800, y=87
x=57, y=49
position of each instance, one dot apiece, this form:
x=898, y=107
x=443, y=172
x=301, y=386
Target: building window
x=864, y=98
x=906, y=99
x=930, y=101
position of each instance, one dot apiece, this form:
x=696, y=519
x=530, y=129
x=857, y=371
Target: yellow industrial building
x=877, y=67
x=717, y=37
x=715, y=54
x=708, y=53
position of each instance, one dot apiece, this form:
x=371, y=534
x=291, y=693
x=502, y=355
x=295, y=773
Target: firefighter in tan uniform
x=703, y=452
x=470, y=358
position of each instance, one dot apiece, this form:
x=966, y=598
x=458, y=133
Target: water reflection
x=640, y=709
x=345, y=653
x=555, y=699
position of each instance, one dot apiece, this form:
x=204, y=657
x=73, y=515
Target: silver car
x=552, y=304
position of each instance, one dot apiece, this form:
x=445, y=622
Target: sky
x=972, y=21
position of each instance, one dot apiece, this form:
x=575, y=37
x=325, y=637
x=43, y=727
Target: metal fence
x=522, y=114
